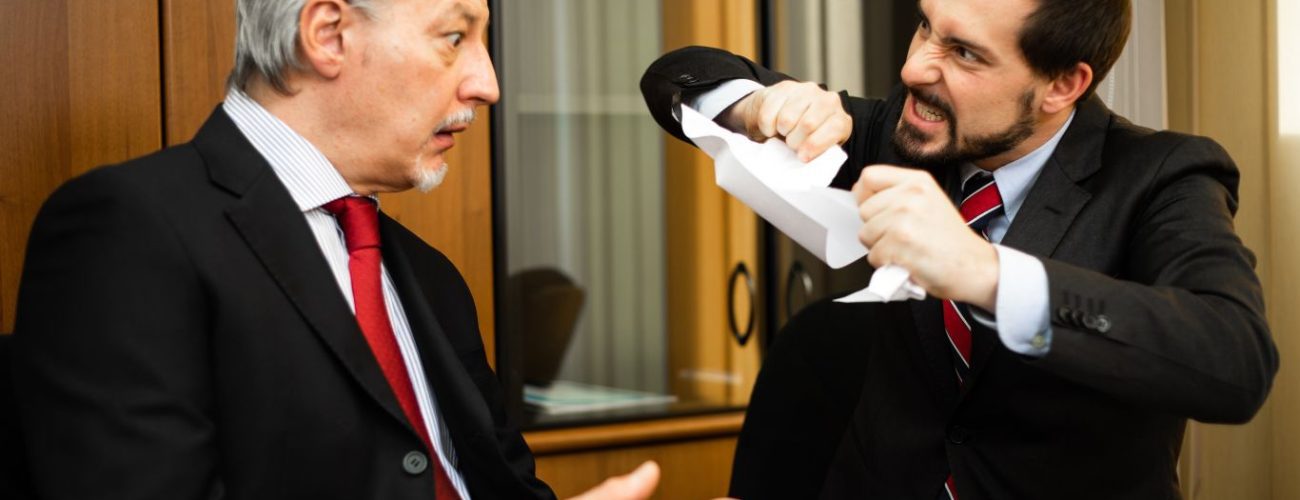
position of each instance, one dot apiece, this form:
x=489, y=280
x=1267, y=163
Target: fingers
x=833, y=131
x=636, y=485
x=810, y=119
x=874, y=179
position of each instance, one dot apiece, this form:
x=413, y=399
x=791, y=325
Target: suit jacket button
x=958, y=435
x=1103, y=323
x=415, y=463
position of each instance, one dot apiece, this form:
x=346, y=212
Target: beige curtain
x=584, y=176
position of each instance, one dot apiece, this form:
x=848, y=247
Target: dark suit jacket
x=1156, y=312
x=180, y=335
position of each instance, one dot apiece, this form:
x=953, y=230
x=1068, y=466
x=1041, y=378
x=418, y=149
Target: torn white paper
x=794, y=197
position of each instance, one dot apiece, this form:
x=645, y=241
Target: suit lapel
x=274, y=229
x=1053, y=202
x=459, y=401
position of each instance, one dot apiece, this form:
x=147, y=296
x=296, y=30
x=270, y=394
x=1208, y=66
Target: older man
x=1088, y=292
x=234, y=318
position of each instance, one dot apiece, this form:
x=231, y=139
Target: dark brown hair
x=1063, y=33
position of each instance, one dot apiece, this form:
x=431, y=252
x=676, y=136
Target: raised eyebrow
x=469, y=16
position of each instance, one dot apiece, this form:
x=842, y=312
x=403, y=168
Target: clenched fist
x=908, y=221
x=809, y=119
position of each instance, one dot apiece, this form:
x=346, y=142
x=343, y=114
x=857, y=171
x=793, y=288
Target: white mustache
x=462, y=117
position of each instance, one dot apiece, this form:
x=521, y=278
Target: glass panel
x=583, y=207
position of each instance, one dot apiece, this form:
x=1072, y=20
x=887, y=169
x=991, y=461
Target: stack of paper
x=563, y=397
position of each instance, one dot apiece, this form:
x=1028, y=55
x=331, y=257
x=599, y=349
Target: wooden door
x=710, y=233
x=81, y=90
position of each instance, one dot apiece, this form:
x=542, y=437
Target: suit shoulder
x=1164, y=160
x=138, y=179
x=1127, y=138
x=145, y=173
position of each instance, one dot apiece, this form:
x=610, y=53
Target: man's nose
x=922, y=67
x=480, y=83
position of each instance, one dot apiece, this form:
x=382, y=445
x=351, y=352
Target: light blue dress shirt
x=1021, y=319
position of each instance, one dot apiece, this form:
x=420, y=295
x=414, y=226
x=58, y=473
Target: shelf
x=574, y=439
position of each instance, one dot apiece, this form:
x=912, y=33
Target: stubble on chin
x=909, y=144
x=426, y=179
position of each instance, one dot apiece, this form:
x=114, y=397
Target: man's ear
x=320, y=36
x=1065, y=90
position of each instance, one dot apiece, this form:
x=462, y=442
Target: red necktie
x=980, y=203
x=359, y=219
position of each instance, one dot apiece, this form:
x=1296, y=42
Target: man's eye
x=924, y=25
x=455, y=38
x=966, y=55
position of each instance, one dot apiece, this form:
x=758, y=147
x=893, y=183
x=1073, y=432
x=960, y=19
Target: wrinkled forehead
x=992, y=24
x=470, y=11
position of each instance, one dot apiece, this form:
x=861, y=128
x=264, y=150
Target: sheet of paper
x=794, y=197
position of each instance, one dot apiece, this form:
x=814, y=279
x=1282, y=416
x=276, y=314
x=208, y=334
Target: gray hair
x=266, y=40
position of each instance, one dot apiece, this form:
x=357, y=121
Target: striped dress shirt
x=313, y=181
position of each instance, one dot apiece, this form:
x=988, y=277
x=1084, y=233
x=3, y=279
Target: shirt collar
x=311, y=179
x=1014, y=179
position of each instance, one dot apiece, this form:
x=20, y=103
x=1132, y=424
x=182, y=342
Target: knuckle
x=903, y=237
x=785, y=122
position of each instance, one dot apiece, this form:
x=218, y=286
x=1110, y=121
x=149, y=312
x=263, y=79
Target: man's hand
x=910, y=222
x=810, y=119
x=636, y=485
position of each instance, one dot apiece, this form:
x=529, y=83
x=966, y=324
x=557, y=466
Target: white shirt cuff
x=1022, y=320
x=714, y=102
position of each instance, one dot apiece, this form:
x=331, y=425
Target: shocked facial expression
x=971, y=94
x=423, y=68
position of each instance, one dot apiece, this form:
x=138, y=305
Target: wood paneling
x=81, y=89
x=690, y=470
x=198, y=52
x=198, y=40
x=709, y=232
x=740, y=36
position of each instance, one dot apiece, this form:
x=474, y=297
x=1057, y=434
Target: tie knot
x=359, y=218
x=980, y=201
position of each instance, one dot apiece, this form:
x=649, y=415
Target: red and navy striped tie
x=980, y=203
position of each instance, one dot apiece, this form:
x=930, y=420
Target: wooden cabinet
x=581, y=163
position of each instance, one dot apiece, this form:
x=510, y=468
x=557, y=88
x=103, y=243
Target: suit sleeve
x=1187, y=333
x=687, y=72
x=110, y=357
